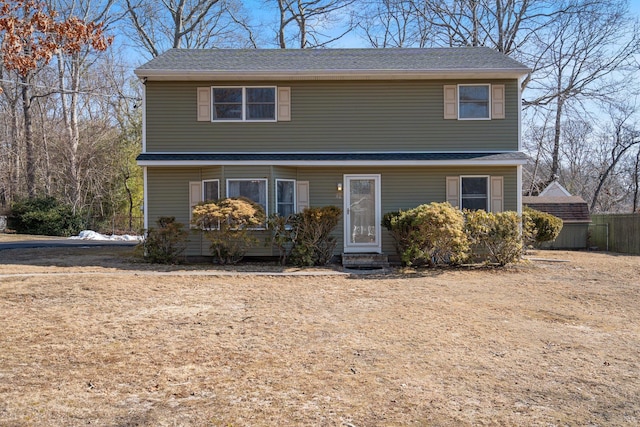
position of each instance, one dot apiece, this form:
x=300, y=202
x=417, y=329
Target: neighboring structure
x=573, y=211
x=368, y=130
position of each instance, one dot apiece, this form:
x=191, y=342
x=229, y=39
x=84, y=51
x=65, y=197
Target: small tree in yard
x=227, y=225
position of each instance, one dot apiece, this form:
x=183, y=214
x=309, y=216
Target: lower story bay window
x=252, y=189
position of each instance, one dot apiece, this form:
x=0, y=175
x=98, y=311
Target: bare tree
x=160, y=25
x=622, y=135
x=393, y=23
x=583, y=65
x=314, y=22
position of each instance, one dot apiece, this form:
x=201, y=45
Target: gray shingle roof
x=334, y=157
x=432, y=60
x=569, y=209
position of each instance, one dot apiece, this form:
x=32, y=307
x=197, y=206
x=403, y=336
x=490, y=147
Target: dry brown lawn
x=88, y=336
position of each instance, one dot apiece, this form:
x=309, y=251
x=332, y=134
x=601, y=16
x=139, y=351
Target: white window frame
x=203, y=185
x=244, y=105
x=488, y=85
x=488, y=183
x=295, y=199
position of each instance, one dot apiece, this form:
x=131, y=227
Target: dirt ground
x=90, y=336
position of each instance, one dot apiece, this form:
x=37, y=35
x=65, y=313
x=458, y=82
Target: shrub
x=431, y=234
x=166, y=243
x=44, y=215
x=495, y=237
x=226, y=224
x=282, y=235
x=541, y=226
x=312, y=242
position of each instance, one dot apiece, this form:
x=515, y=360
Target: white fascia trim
x=330, y=163
x=519, y=115
x=145, y=198
x=519, y=190
x=186, y=75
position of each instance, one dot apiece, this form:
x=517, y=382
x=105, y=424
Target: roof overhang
x=185, y=75
x=332, y=159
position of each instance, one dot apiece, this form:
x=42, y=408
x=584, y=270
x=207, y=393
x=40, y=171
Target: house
x=572, y=210
x=367, y=130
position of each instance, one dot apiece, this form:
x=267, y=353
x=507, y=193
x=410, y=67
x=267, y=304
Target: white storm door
x=362, y=213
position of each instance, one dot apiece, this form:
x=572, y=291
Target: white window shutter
x=497, y=102
x=284, y=104
x=302, y=195
x=453, y=191
x=450, y=102
x=204, y=104
x=497, y=194
x=195, y=197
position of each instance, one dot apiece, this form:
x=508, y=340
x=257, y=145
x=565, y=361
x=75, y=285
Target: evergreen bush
x=541, y=226
x=311, y=235
x=430, y=234
x=166, y=243
x=494, y=237
x=44, y=215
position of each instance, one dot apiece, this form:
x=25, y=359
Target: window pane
x=285, y=202
x=227, y=95
x=227, y=103
x=474, y=102
x=211, y=190
x=474, y=204
x=261, y=103
x=474, y=93
x=255, y=190
x=474, y=186
x=261, y=94
x=261, y=112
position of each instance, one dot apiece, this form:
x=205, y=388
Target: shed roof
x=570, y=209
x=356, y=63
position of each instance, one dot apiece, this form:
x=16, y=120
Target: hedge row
x=437, y=234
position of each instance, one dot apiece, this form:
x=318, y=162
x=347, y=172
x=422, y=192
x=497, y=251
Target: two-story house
x=368, y=130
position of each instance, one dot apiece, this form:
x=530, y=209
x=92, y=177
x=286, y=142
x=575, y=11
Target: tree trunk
x=555, y=160
x=70, y=116
x=636, y=182
x=28, y=137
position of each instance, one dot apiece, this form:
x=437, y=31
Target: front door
x=362, y=213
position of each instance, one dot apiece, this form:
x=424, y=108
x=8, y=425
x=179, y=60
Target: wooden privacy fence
x=615, y=233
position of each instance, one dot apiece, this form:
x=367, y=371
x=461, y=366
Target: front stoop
x=365, y=260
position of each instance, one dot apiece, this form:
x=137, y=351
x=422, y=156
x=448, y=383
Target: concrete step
x=365, y=260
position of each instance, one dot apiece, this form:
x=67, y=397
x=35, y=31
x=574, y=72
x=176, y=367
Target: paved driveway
x=61, y=242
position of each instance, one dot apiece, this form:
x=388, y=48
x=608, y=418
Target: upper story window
x=474, y=102
x=244, y=103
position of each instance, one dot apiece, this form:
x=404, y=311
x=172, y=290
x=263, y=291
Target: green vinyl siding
x=331, y=116
x=401, y=188
x=168, y=195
